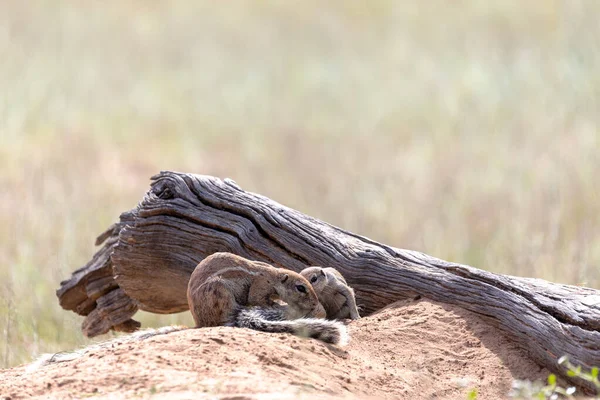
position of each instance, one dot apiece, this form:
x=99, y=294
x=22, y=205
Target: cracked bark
x=147, y=257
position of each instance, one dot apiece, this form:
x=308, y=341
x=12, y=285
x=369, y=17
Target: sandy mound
x=411, y=350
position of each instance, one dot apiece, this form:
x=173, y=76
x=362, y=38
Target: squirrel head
x=316, y=276
x=299, y=295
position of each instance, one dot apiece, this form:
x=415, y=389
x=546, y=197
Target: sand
x=411, y=350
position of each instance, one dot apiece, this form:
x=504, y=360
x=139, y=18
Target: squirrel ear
x=322, y=272
x=284, y=278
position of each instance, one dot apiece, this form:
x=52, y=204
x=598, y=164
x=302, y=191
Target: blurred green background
x=467, y=130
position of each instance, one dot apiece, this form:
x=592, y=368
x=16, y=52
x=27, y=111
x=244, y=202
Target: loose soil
x=410, y=350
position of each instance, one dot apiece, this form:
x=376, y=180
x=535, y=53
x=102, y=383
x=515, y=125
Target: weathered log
x=148, y=256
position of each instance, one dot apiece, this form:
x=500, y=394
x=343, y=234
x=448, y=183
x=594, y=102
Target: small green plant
x=573, y=371
x=472, y=395
x=551, y=390
x=537, y=390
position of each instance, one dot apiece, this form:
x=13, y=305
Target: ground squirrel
x=226, y=289
x=334, y=293
x=224, y=281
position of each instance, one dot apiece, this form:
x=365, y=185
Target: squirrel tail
x=271, y=319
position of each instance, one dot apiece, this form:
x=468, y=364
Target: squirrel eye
x=313, y=279
x=301, y=288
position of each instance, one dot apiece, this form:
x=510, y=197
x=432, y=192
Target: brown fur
x=334, y=293
x=223, y=282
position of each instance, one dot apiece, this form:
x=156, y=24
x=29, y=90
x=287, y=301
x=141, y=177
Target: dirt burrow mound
x=411, y=350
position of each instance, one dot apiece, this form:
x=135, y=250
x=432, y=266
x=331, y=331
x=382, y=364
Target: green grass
x=467, y=130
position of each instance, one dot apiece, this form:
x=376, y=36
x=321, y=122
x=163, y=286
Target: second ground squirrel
x=334, y=293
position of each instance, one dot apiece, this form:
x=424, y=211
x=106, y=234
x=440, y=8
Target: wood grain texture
x=147, y=258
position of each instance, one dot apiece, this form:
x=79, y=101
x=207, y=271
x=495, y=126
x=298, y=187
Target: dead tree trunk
x=148, y=256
